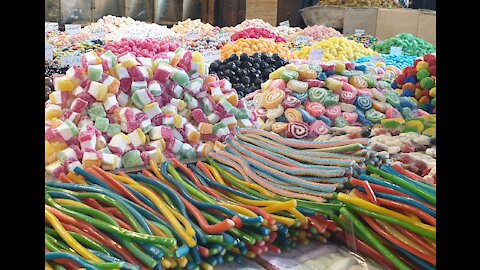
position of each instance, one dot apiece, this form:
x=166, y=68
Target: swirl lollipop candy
x=363, y=102
x=293, y=115
x=347, y=97
x=318, y=128
x=273, y=98
x=315, y=109
x=291, y=102
x=333, y=112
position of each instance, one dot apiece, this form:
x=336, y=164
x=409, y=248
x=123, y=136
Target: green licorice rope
x=134, y=236
x=53, y=244
x=164, y=196
x=214, y=238
x=405, y=184
x=388, y=219
x=57, y=266
x=374, y=240
x=192, y=190
x=236, y=232
x=81, y=239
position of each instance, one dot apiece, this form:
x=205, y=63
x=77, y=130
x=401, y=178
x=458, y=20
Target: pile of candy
x=205, y=29
x=257, y=33
x=305, y=100
x=141, y=47
x=290, y=33
x=366, y=40
x=320, y=32
x=48, y=87
x=336, y=48
x=399, y=61
x=246, y=73
x=257, y=23
x=419, y=81
x=410, y=45
x=77, y=48
x=110, y=23
x=64, y=40
x=52, y=67
x=361, y=3
x=124, y=111
x=425, y=124
x=204, y=44
x=253, y=45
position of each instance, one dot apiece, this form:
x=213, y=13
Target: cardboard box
x=427, y=26
x=360, y=18
x=262, y=9
x=391, y=22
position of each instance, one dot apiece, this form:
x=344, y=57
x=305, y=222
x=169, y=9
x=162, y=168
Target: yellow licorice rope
x=69, y=239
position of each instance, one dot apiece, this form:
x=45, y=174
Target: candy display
x=410, y=45
x=419, y=82
x=320, y=32
x=399, y=61
x=148, y=47
x=366, y=40
x=253, y=45
x=205, y=29
x=337, y=48
x=147, y=109
x=362, y=3
x=257, y=33
x=246, y=73
x=198, y=146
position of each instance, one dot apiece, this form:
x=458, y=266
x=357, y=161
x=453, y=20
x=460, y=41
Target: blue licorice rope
x=423, y=186
x=74, y=258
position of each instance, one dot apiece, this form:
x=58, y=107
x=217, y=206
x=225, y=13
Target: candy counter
x=244, y=147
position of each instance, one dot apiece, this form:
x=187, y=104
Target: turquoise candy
x=113, y=129
x=132, y=159
x=300, y=96
x=241, y=114
x=188, y=152
x=96, y=111
x=407, y=102
x=331, y=99
x=317, y=94
x=374, y=116
x=392, y=98
x=306, y=117
x=406, y=113
x=340, y=122
x=288, y=75
x=102, y=124
x=363, y=102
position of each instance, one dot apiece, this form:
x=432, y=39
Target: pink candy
x=141, y=47
x=257, y=33
x=350, y=117
x=333, y=112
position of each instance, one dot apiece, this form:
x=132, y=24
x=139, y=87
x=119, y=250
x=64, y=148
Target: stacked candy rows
x=304, y=100
x=420, y=81
x=122, y=112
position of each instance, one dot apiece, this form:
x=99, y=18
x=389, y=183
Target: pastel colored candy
x=374, y=116
x=291, y=102
x=333, y=84
x=363, y=102
x=358, y=82
x=325, y=119
x=317, y=94
x=279, y=127
x=273, y=98
x=297, y=130
x=347, y=97
x=297, y=86
x=340, y=122
x=288, y=75
x=315, y=109
x=300, y=96
x=333, y=112
x=393, y=113
x=293, y=115
x=277, y=112
x=307, y=118
x=318, y=128
x=350, y=117
x=392, y=98
x=331, y=99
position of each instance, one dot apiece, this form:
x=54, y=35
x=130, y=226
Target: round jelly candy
x=340, y=122
x=433, y=92
x=374, y=116
x=410, y=79
x=297, y=130
x=351, y=117
x=421, y=65
x=289, y=75
x=409, y=86
x=291, y=102
x=315, y=109
x=423, y=74
x=279, y=127
x=273, y=98
x=392, y=98
x=358, y=82
x=317, y=94
x=347, y=97
x=408, y=93
x=300, y=96
x=427, y=83
x=307, y=118
x=393, y=113
x=333, y=112
x=331, y=99
x=363, y=102
x=293, y=115
x=318, y=128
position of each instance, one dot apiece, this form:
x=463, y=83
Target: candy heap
x=141, y=47
x=320, y=32
x=253, y=45
x=366, y=40
x=362, y=3
x=204, y=44
x=52, y=68
x=399, y=61
x=124, y=111
x=337, y=48
x=419, y=81
x=257, y=33
x=290, y=33
x=246, y=73
x=304, y=100
x=205, y=29
x=257, y=23
x=110, y=23
x=142, y=30
x=77, y=48
x=410, y=45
